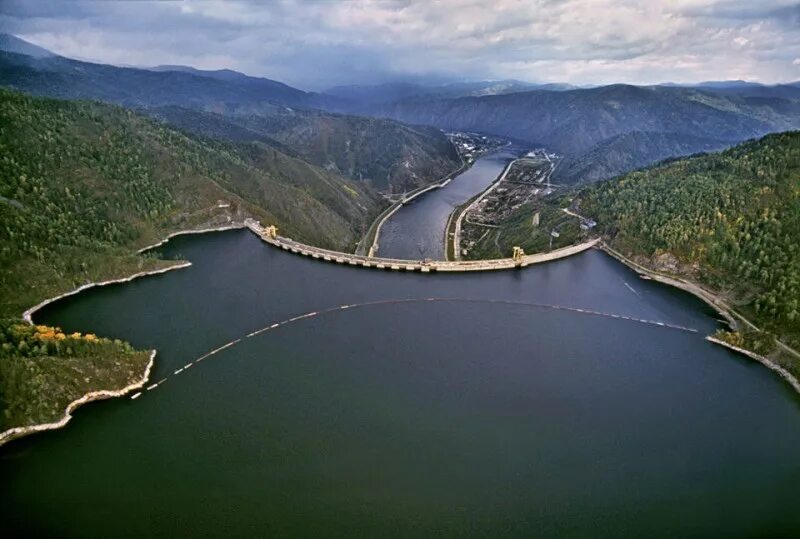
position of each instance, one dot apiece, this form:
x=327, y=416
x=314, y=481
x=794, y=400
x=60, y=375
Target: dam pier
x=269, y=234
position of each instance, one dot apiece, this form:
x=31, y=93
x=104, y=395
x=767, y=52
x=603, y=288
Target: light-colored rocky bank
x=783, y=373
x=710, y=299
x=19, y=432
x=27, y=315
x=718, y=304
x=232, y=226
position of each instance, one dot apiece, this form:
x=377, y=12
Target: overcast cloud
x=317, y=44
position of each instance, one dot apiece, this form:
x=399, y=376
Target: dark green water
x=411, y=419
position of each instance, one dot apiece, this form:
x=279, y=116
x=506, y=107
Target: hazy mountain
x=73, y=79
x=268, y=86
x=575, y=122
x=390, y=155
x=361, y=98
x=601, y=131
x=11, y=43
x=630, y=151
x=744, y=88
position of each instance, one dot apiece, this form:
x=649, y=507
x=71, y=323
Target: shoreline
x=456, y=242
x=645, y=273
x=696, y=290
x=391, y=210
x=768, y=363
x=234, y=226
x=101, y=394
x=28, y=314
x=715, y=303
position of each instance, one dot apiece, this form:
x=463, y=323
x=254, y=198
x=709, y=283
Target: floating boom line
x=338, y=308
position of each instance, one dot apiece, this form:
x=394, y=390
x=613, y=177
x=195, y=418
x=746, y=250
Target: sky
x=317, y=44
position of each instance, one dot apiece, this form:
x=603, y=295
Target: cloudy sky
x=315, y=44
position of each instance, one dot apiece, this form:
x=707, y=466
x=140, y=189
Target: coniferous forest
x=731, y=219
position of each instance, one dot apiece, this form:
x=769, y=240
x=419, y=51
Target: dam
x=520, y=260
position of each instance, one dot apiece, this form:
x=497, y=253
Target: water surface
x=416, y=231
x=411, y=419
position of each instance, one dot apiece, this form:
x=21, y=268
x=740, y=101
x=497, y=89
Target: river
x=410, y=419
x=417, y=229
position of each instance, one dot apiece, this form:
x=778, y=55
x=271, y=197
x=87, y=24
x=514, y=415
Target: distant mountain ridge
x=72, y=79
x=357, y=96
x=577, y=122
x=11, y=43
x=391, y=155
x=383, y=151
x=601, y=131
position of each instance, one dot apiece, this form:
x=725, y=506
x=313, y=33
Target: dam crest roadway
x=519, y=260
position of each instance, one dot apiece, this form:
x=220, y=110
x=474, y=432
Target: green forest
x=83, y=185
x=732, y=220
x=43, y=369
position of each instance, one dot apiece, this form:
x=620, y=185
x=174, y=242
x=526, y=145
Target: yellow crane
x=271, y=232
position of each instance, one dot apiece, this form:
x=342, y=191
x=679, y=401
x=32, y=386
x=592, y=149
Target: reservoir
x=416, y=231
x=500, y=416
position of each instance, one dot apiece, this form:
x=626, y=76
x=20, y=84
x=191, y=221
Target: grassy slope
x=518, y=230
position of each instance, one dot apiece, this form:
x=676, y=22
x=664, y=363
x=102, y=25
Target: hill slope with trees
x=233, y=106
x=730, y=221
x=82, y=185
x=584, y=125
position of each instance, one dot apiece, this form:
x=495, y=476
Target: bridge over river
x=520, y=260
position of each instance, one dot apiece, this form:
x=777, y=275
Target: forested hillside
x=630, y=151
x=391, y=156
x=582, y=124
x=730, y=220
x=83, y=184
x=236, y=107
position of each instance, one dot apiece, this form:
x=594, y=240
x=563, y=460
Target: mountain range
x=600, y=131
x=226, y=104
x=585, y=125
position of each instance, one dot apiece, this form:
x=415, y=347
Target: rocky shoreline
x=234, y=226
x=771, y=365
x=27, y=315
x=717, y=304
x=19, y=432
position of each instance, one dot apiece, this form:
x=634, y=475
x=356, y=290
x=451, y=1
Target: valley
x=405, y=292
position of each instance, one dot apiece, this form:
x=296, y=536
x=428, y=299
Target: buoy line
x=276, y=325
